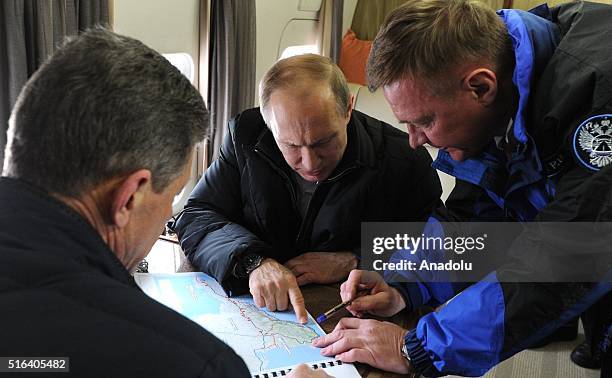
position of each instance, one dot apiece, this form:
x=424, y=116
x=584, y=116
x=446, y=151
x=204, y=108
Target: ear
x=351, y=104
x=482, y=84
x=127, y=195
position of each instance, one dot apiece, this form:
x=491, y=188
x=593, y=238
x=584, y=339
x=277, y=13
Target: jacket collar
x=41, y=223
x=534, y=38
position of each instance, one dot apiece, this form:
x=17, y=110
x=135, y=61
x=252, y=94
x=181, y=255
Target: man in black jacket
x=283, y=203
x=100, y=140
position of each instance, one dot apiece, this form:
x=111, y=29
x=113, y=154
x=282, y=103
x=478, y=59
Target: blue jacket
x=563, y=74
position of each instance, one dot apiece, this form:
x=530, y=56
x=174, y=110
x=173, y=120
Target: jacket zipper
x=306, y=220
x=283, y=175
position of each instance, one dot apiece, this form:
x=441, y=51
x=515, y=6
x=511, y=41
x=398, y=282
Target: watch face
x=405, y=352
x=251, y=262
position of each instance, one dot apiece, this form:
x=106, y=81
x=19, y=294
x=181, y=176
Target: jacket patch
x=592, y=142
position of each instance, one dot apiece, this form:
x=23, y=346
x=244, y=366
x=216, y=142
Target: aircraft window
x=298, y=50
x=184, y=63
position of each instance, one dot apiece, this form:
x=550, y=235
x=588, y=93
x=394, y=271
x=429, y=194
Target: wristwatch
x=404, y=351
x=246, y=264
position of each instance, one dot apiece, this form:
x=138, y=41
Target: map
x=265, y=340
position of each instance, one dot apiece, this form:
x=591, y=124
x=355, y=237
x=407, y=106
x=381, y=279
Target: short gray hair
x=103, y=106
x=293, y=71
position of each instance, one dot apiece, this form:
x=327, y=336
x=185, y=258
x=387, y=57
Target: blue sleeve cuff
x=418, y=356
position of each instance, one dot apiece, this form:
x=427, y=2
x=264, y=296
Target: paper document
x=270, y=343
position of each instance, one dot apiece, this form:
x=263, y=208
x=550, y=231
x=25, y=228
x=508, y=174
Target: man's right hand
x=274, y=286
x=381, y=299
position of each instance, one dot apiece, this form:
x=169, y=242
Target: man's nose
x=310, y=161
x=417, y=136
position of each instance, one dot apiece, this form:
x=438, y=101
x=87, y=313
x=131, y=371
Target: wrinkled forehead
x=302, y=101
x=304, y=90
x=302, y=117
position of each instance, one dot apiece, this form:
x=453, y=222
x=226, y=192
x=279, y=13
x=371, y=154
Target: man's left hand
x=322, y=267
x=369, y=341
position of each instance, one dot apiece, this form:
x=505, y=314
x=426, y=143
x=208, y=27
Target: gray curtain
x=30, y=30
x=336, y=30
x=232, y=65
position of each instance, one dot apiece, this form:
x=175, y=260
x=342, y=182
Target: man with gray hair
x=282, y=206
x=100, y=141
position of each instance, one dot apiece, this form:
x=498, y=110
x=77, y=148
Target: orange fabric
x=353, y=57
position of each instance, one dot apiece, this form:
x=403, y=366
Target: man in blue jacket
x=519, y=104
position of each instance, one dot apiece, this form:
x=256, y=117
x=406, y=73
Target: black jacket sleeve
x=427, y=190
x=226, y=364
x=467, y=203
x=210, y=227
x=411, y=189
x=565, y=256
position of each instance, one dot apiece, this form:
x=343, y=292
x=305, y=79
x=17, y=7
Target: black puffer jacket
x=63, y=293
x=247, y=200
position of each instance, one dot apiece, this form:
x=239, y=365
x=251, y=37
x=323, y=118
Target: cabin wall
x=281, y=24
x=166, y=26
x=347, y=15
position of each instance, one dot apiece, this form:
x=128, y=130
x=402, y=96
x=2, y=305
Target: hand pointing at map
x=275, y=287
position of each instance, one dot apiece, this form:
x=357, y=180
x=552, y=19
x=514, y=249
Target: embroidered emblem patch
x=593, y=142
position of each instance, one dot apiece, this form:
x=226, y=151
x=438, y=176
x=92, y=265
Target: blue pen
x=327, y=314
